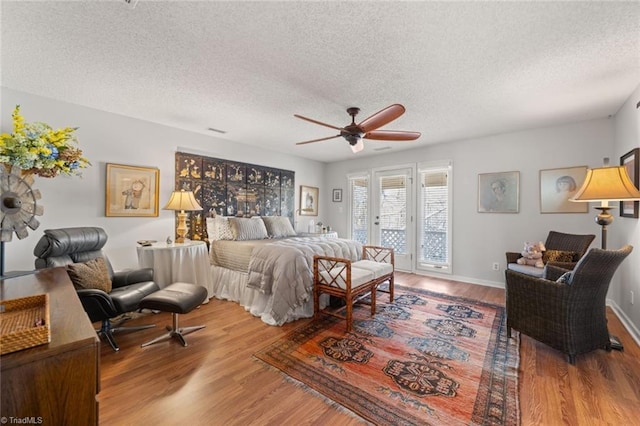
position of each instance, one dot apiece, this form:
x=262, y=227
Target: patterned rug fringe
x=515, y=337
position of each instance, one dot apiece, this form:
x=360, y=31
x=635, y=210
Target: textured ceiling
x=461, y=69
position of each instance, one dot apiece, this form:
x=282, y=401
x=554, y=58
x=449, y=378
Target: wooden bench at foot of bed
x=351, y=281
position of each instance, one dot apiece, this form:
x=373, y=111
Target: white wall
x=111, y=138
x=627, y=230
x=479, y=239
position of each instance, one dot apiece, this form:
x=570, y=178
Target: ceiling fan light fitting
x=357, y=147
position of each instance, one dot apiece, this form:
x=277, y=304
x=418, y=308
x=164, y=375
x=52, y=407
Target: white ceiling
x=461, y=69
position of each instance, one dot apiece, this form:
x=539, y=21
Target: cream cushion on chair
x=358, y=277
x=526, y=269
x=378, y=268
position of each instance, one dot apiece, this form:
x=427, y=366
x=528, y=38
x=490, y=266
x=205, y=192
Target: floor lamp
x=182, y=201
x=603, y=185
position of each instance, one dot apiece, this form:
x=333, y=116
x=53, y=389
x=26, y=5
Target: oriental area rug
x=425, y=359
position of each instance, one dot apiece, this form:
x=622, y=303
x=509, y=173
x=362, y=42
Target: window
x=393, y=213
x=359, y=207
x=434, y=211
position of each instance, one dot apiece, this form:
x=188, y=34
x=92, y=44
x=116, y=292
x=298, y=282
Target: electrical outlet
x=631, y=296
x=495, y=266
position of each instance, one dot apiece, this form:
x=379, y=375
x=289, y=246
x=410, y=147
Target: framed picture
x=499, y=192
x=630, y=162
x=308, y=200
x=132, y=191
x=337, y=195
x=557, y=186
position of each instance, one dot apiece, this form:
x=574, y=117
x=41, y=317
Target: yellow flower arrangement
x=39, y=149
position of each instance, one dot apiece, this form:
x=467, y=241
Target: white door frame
x=404, y=261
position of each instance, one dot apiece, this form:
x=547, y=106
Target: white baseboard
x=625, y=320
x=467, y=280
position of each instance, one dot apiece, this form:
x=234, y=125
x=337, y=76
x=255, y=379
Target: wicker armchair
x=574, y=243
x=571, y=316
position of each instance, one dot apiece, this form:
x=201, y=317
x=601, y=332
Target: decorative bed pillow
x=219, y=228
x=248, y=229
x=91, y=274
x=559, y=256
x=278, y=226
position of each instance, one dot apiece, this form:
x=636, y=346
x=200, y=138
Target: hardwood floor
x=216, y=381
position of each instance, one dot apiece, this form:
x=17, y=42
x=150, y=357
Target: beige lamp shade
x=607, y=184
x=182, y=200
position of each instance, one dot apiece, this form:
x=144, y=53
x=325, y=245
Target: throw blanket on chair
x=284, y=269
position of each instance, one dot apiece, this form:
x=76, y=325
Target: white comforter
x=284, y=269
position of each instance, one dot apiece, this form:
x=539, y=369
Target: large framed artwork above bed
x=231, y=188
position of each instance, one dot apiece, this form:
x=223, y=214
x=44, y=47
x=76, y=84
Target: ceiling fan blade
x=392, y=135
x=318, y=140
x=381, y=118
x=317, y=122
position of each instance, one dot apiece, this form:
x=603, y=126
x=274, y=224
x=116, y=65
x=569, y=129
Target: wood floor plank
x=216, y=381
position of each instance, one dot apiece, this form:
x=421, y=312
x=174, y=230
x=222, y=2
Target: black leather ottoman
x=177, y=298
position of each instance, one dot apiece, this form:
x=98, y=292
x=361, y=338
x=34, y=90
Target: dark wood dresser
x=55, y=383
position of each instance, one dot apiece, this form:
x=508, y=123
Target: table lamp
x=182, y=201
x=606, y=184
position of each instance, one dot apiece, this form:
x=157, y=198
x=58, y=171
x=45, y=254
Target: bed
x=261, y=264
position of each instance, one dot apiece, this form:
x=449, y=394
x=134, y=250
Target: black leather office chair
x=62, y=247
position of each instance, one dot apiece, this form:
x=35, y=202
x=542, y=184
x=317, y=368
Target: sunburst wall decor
x=18, y=204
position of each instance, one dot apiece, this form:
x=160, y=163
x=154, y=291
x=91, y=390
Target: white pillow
x=219, y=228
x=248, y=229
x=278, y=226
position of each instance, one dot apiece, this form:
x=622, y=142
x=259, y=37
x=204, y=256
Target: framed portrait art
x=630, y=162
x=337, y=195
x=499, y=192
x=557, y=186
x=132, y=191
x=308, y=200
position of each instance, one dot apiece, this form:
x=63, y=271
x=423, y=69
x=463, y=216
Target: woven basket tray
x=24, y=323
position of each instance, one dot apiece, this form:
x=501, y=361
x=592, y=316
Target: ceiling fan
x=367, y=129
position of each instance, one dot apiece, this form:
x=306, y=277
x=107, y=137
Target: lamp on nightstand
x=182, y=201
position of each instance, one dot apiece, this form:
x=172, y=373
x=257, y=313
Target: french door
x=392, y=218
